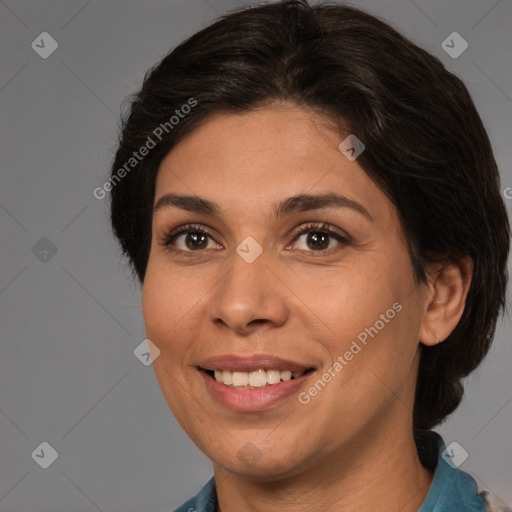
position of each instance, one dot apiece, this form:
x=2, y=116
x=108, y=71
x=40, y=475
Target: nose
x=249, y=297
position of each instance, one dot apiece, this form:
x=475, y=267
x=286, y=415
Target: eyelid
x=169, y=236
x=342, y=238
x=322, y=227
x=185, y=228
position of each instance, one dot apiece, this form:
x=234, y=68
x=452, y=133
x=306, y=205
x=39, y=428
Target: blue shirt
x=452, y=490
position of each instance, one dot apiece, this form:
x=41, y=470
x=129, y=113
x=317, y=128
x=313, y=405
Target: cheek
x=384, y=366
x=164, y=309
x=167, y=298
x=371, y=311
x=349, y=297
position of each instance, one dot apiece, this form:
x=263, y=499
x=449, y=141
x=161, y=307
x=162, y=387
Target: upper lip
x=252, y=363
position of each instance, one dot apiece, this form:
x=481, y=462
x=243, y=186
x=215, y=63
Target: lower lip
x=255, y=399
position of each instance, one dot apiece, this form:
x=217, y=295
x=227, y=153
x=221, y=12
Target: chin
x=251, y=460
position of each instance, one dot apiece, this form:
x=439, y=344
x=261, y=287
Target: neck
x=367, y=474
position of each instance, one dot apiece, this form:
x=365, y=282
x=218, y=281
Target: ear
x=445, y=300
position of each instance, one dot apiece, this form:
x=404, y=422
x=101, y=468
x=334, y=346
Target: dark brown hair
x=426, y=148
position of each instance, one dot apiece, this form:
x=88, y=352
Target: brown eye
x=188, y=238
x=196, y=240
x=318, y=238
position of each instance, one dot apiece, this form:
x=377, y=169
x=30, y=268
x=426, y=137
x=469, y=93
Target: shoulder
x=204, y=501
x=451, y=488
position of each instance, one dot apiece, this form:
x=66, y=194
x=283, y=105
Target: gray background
x=70, y=325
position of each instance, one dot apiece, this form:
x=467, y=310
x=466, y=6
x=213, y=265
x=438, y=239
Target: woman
x=312, y=206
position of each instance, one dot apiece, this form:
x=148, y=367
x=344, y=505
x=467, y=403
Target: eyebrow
x=294, y=204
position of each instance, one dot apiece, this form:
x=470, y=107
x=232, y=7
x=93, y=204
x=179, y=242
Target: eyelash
x=167, y=239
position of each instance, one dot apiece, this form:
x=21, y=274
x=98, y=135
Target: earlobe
x=446, y=300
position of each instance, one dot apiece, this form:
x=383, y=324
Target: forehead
x=263, y=156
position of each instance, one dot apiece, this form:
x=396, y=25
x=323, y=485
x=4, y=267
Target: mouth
x=259, y=378
x=253, y=383
x=253, y=391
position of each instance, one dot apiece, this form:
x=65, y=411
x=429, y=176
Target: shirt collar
x=451, y=488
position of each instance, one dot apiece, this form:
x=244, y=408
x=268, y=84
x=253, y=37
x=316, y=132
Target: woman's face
x=267, y=290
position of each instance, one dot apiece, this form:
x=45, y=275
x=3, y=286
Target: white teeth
x=273, y=376
x=256, y=379
x=240, y=379
x=227, y=378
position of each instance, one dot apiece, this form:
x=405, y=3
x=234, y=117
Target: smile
x=255, y=379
